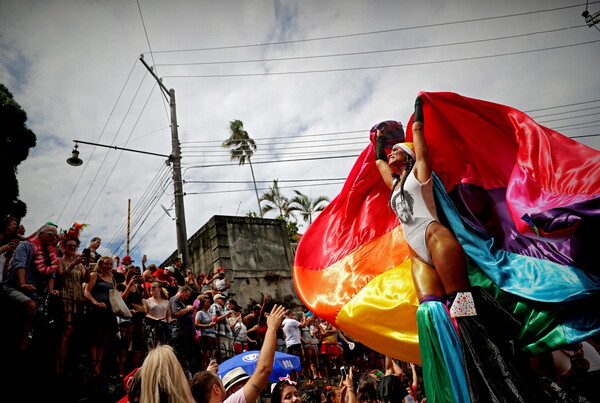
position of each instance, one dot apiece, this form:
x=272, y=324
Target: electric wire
x=269, y=181
x=264, y=189
x=369, y=52
x=141, y=207
x=122, y=234
x=382, y=31
x=379, y=67
x=151, y=53
x=154, y=191
x=568, y=117
x=106, y=154
x=278, y=144
x=147, y=233
x=97, y=141
x=116, y=163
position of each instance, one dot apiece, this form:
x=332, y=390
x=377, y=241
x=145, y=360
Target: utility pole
x=128, y=223
x=175, y=160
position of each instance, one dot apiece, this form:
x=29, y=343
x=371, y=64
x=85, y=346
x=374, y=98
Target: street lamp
x=75, y=161
x=174, y=159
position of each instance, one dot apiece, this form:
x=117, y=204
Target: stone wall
x=255, y=253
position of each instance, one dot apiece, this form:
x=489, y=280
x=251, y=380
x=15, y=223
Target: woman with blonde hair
x=158, y=315
x=163, y=379
x=102, y=321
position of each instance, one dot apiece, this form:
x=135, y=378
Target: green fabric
x=543, y=329
x=435, y=376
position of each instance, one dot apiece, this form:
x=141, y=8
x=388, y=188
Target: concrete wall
x=255, y=253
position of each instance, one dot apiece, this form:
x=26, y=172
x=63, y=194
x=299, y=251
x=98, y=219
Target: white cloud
x=67, y=62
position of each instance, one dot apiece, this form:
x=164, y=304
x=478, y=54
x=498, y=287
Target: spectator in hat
x=223, y=329
x=221, y=285
x=31, y=274
x=125, y=263
x=207, y=387
x=169, y=275
x=234, y=380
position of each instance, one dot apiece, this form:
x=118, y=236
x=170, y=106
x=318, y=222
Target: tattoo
x=255, y=388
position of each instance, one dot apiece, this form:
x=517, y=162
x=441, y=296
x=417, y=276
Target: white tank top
x=417, y=208
x=157, y=310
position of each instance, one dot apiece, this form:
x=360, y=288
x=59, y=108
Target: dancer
x=438, y=264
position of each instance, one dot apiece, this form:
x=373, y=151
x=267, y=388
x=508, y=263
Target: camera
x=344, y=372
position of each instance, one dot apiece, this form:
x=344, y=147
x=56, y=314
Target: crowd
x=177, y=327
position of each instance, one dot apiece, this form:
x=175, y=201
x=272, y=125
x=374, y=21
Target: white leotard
x=416, y=210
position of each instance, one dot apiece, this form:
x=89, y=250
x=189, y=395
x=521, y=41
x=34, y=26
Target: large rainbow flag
x=523, y=200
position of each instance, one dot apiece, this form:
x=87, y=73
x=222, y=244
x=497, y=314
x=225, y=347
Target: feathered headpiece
x=73, y=232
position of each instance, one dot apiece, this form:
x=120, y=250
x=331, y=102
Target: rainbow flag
x=523, y=200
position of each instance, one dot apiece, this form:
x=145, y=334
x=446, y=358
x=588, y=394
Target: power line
x=562, y=106
x=282, y=137
x=585, y=135
x=155, y=189
x=99, y=138
x=462, y=59
x=121, y=153
x=264, y=189
x=270, y=181
x=369, y=52
x=569, y=117
x=106, y=154
x=273, y=161
x=278, y=144
x=382, y=31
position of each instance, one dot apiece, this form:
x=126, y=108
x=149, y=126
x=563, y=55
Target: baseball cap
x=234, y=376
x=127, y=259
x=219, y=296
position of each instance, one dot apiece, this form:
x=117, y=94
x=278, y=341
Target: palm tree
x=276, y=201
x=307, y=206
x=242, y=148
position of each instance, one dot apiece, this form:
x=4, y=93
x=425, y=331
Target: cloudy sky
x=307, y=78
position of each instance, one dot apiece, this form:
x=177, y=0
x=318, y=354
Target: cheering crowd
x=65, y=319
x=164, y=331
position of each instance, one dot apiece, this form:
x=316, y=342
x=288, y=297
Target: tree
x=307, y=206
x=15, y=141
x=275, y=200
x=292, y=229
x=242, y=148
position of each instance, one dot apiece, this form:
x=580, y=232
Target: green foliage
x=275, y=201
x=15, y=141
x=242, y=147
x=307, y=206
x=292, y=229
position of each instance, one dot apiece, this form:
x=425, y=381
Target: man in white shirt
x=291, y=330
